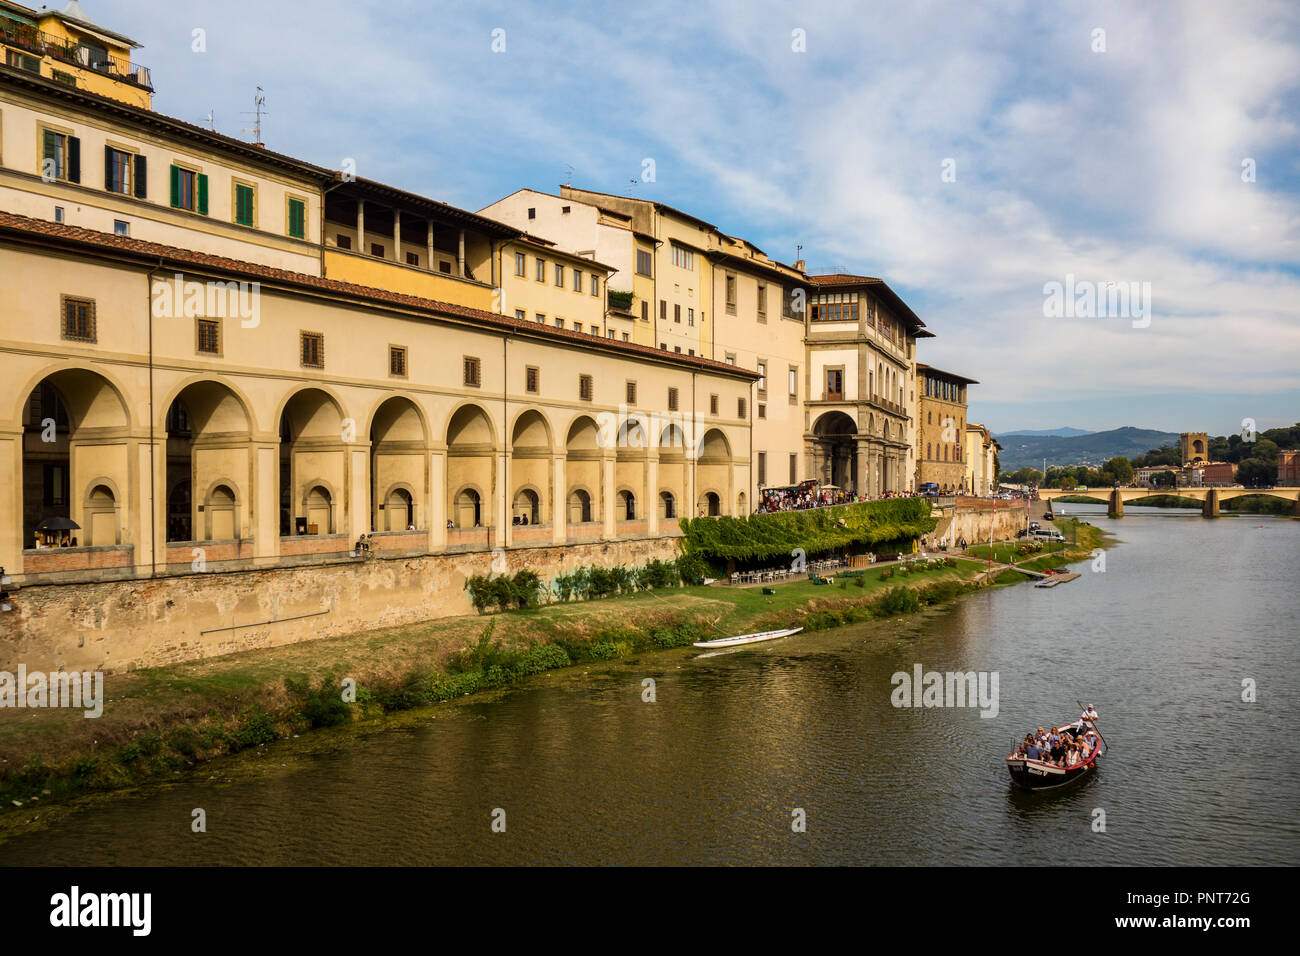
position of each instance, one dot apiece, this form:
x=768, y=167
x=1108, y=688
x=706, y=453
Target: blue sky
x=1122, y=164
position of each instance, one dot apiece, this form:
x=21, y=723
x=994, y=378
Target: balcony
x=37, y=43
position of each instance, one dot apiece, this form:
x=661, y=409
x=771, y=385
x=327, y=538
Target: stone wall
x=975, y=517
x=124, y=625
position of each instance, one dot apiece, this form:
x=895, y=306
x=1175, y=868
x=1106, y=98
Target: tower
x=1194, y=446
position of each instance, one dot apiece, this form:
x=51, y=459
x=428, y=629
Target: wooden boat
x=749, y=638
x=1037, y=775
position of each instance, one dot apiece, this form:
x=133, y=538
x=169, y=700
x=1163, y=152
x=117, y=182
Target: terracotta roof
x=88, y=239
x=844, y=278
x=921, y=367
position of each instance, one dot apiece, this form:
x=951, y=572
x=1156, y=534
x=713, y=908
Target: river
x=716, y=768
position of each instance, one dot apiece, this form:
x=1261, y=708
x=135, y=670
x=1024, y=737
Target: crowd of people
x=54, y=540
x=803, y=498
x=1062, y=746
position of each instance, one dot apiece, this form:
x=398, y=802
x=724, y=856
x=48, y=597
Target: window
x=740, y=408
x=22, y=61
x=189, y=190
x=243, y=204
x=672, y=399
x=713, y=404
x=121, y=227
x=762, y=468
x=794, y=467
x=762, y=376
x=444, y=267
x=731, y=358
x=835, y=384
x=78, y=319
x=663, y=346
x=690, y=317
x=208, y=336
x=683, y=257
x=117, y=170
x=927, y=449
x=297, y=218
x=645, y=311
x=643, y=263
x=631, y=393
x=577, y=280
x=677, y=314
x=584, y=387
x=595, y=284
x=532, y=212
x=559, y=275
x=794, y=384
x=541, y=270
x=577, y=326
x=412, y=258
x=531, y=377
x=762, y=410
x=559, y=323
x=473, y=372
x=62, y=157
x=663, y=309
x=521, y=263
x=397, y=360
x=521, y=315
x=564, y=210
x=690, y=351
x=677, y=349
x=541, y=318
x=762, y=302
x=58, y=214
x=343, y=242
x=731, y=295
x=377, y=250
x=312, y=349
x=627, y=337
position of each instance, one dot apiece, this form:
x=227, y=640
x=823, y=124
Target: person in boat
x=1072, y=758
x=1031, y=748
x=1089, y=714
x=1058, y=749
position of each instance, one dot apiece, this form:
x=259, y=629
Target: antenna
x=569, y=167
x=631, y=185
x=798, y=252
x=258, y=102
x=211, y=121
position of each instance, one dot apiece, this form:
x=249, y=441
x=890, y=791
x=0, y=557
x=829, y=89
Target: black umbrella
x=58, y=524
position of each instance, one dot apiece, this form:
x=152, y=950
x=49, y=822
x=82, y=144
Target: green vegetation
x=1256, y=460
x=525, y=589
x=621, y=300
x=883, y=525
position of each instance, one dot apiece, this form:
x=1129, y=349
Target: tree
x=1257, y=473
x=1163, y=479
x=1120, y=469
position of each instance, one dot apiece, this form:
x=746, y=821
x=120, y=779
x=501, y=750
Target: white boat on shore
x=748, y=638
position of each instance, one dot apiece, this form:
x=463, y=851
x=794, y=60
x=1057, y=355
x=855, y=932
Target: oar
x=1092, y=724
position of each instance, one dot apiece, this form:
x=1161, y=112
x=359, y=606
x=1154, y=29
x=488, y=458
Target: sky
x=972, y=155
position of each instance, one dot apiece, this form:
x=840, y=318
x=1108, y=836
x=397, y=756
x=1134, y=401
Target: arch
x=632, y=438
x=626, y=505
x=531, y=432
x=220, y=511
x=470, y=428
x=212, y=402
x=667, y=505
x=579, y=506
x=399, y=445
x=402, y=420
x=298, y=398
x=100, y=512
x=527, y=503
x=740, y=505
x=318, y=507
x=583, y=435
x=467, y=507
x=715, y=449
x=92, y=413
x=672, y=437
x=399, y=509
x=710, y=504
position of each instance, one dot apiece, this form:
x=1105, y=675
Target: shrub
x=322, y=705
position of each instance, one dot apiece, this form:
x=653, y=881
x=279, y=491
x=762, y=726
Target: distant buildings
x=941, y=432
x=1288, y=468
x=980, y=459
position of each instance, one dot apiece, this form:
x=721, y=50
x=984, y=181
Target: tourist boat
x=1036, y=775
x=749, y=638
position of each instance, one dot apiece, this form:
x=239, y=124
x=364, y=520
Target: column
x=460, y=254
x=1210, y=508
x=397, y=236
x=652, y=494
x=264, y=522
x=358, y=518
x=361, y=226
x=507, y=483
x=559, y=509
x=11, y=500
x=1116, y=509
x=607, y=496
x=429, y=245
x=437, y=501
x=864, y=466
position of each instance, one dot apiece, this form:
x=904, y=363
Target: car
x=1034, y=526
x=1081, y=488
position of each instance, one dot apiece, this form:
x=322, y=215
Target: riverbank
x=167, y=721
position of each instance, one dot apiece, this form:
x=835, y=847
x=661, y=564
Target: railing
x=39, y=43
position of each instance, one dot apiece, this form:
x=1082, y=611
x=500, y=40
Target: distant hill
x=1065, y=432
x=1091, y=449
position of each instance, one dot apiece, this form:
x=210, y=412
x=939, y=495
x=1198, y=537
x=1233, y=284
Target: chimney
x=801, y=266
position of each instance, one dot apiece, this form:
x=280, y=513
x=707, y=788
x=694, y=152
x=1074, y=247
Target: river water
x=715, y=769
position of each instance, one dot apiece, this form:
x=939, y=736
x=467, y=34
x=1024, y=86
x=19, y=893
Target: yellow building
x=69, y=48
x=980, y=459
x=941, y=441
x=543, y=284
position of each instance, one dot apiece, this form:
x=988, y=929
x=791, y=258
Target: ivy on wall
x=761, y=537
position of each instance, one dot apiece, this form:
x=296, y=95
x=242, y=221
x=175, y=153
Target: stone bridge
x=1210, y=498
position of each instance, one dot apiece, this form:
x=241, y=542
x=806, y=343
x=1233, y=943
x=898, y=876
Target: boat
x=749, y=638
x=1037, y=775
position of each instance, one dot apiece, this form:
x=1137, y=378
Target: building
x=214, y=352
x=1194, y=447
x=1288, y=468
x=1204, y=474
x=66, y=46
x=941, y=414
x=546, y=285
x=980, y=460
x=1146, y=475
x=861, y=407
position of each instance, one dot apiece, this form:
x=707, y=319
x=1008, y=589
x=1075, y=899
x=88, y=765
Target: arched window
x=468, y=508
x=579, y=507
x=667, y=506
x=527, y=506
x=627, y=505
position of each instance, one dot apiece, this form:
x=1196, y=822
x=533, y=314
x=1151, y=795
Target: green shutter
x=176, y=187
x=297, y=218
x=51, y=146
x=203, y=193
